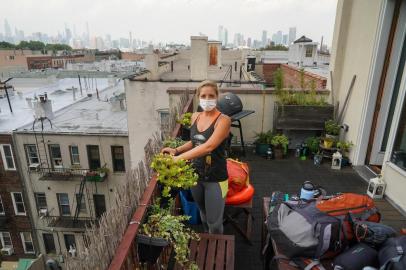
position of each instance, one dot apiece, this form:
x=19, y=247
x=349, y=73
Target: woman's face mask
x=207, y=104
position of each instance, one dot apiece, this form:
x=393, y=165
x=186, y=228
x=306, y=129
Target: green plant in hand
x=162, y=224
x=332, y=127
x=173, y=174
x=186, y=119
x=280, y=141
x=173, y=143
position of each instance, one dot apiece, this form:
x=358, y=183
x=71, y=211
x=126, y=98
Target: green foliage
x=162, y=224
x=263, y=137
x=171, y=174
x=173, y=143
x=35, y=46
x=278, y=79
x=313, y=144
x=301, y=98
x=31, y=45
x=6, y=45
x=332, y=127
x=280, y=141
x=103, y=169
x=186, y=119
x=273, y=47
x=58, y=47
x=344, y=146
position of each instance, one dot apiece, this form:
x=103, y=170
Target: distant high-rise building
x=278, y=37
x=225, y=37
x=249, y=42
x=292, y=35
x=264, y=38
x=285, y=39
x=220, y=34
x=7, y=31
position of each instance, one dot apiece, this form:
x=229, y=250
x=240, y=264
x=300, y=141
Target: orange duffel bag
x=238, y=176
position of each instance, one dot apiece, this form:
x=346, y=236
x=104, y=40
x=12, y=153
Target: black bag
x=374, y=234
x=356, y=258
x=392, y=255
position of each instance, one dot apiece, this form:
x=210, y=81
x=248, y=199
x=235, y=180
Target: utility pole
x=5, y=89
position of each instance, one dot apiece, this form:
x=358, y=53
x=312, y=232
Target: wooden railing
x=126, y=253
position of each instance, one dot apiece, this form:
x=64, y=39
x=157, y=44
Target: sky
x=172, y=20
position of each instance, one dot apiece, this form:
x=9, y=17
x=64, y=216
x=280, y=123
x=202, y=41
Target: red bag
x=238, y=176
x=350, y=205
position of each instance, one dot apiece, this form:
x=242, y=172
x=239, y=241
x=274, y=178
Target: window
x=99, y=204
x=74, y=154
x=94, y=156
x=26, y=239
x=69, y=241
x=49, y=243
x=55, y=154
x=5, y=240
x=82, y=203
x=63, y=203
x=18, y=203
x=399, y=147
x=1, y=208
x=32, y=154
x=7, y=156
x=41, y=200
x=117, y=153
x=309, y=51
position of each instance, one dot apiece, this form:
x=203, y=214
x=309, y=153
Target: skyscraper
x=225, y=37
x=285, y=39
x=279, y=37
x=7, y=31
x=292, y=35
x=264, y=38
x=220, y=33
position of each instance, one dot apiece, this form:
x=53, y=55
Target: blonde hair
x=212, y=84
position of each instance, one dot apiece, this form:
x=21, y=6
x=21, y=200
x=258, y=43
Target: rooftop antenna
x=80, y=85
x=5, y=89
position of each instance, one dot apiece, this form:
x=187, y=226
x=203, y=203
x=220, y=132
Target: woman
x=209, y=132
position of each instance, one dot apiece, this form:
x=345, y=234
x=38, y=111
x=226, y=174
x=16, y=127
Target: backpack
x=392, y=255
x=372, y=233
x=238, y=176
x=299, y=229
x=356, y=258
x=349, y=207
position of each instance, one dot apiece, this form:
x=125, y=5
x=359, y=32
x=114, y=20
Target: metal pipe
x=5, y=89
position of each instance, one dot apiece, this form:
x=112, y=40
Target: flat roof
x=58, y=93
x=89, y=115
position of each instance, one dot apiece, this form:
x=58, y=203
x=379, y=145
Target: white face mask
x=207, y=104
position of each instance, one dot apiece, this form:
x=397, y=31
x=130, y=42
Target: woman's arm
x=221, y=132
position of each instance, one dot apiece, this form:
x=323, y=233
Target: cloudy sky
x=172, y=20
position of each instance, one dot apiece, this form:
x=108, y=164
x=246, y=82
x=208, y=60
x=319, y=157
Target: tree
x=6, y=45
x=31, y=45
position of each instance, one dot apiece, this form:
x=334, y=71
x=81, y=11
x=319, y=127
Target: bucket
x=307, y=191
x=189, y=207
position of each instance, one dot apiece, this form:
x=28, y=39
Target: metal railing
x=62, y=173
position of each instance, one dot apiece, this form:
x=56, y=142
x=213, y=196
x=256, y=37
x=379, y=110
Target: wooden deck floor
x=287, y=175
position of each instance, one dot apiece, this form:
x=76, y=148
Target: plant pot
x=332, y=137
x=185, y=133
x=102, y=174
x=150, y=248
x=261, y=149
x=345, y=162
x=278, y=152
x=328, y=144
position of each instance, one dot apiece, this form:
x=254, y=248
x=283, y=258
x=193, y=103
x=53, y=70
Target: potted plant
x=173, y=174
x=103, y=171
x=344, y=147
x=262, y=142
x=279, y=143
x=313, y=144
x=328, y=142
x=332, y=129
x=162, y=229
x=186, y=121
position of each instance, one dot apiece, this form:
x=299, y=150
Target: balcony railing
x=64, y=174
x=70, y=222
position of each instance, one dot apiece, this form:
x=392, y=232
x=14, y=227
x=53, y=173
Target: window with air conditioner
x=5, y=240
x=7, y=157
x=2, y=213
x=32, y=154
x=18, y=203
x=26, y=240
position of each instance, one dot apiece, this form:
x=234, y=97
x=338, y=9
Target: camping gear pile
x=343, y=229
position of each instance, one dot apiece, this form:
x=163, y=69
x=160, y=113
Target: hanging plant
x=173, y=174
x=161, y=224
x=186, y=119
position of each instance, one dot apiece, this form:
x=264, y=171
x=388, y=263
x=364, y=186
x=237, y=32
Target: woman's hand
x=168, y=150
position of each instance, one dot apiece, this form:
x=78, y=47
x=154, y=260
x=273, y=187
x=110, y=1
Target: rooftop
x=57, y=90
x=90, y=115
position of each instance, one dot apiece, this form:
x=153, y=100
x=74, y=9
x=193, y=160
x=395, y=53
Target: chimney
x=199, y=57
x=151, y=64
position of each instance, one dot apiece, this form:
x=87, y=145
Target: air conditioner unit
x=34, y=167
x=43, y=212
x=7, y=251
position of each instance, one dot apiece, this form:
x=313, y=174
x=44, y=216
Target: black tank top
x=211, y=167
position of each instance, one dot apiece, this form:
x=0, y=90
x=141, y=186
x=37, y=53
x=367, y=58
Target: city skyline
x=175, y=21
